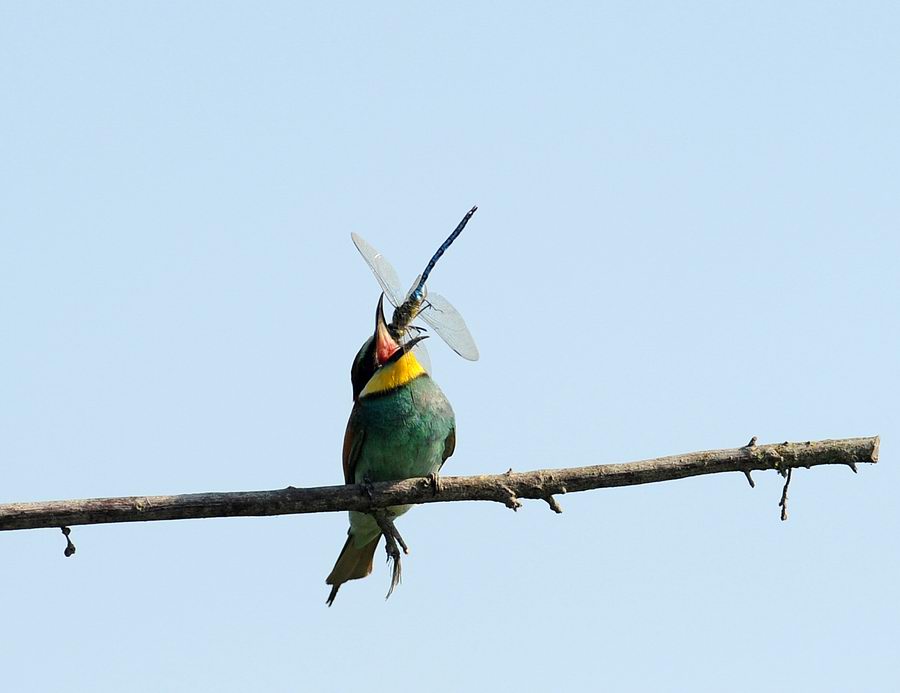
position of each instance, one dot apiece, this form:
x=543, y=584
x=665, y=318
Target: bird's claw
x=434, y=480
x=391, y=539
x=368, y=488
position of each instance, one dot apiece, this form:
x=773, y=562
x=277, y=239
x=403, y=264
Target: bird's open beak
x=385, y=344
x=388, y=349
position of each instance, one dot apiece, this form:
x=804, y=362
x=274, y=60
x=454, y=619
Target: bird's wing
x=353, y=440
x=449, y=445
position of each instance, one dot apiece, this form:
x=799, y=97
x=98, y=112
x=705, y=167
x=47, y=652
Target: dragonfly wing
x=422, y=357
x=438, y=312
x=382, y=269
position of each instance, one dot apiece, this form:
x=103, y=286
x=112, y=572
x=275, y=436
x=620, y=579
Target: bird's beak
x=388, y=349
x=385, y=344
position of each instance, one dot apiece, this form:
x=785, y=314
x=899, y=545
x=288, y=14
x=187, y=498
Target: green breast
x=404, y=431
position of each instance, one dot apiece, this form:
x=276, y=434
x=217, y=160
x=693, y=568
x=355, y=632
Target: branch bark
x=505, y=488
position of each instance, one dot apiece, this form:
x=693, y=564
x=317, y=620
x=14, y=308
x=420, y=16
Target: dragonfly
x=418, y=302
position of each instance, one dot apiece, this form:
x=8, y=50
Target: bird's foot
x=389, y=529
x=391, y=540
x=368, y=488
x=434, y=480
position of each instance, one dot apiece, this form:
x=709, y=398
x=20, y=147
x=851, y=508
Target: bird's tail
x=354, y=562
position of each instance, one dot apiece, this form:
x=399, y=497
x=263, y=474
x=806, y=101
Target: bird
x=401, y=426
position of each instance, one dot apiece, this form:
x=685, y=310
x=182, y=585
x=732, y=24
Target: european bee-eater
x=401, y=426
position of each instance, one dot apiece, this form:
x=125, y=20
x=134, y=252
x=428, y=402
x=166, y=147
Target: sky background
x=687, y=235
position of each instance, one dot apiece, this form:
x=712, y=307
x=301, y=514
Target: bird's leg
x=367, y=488
x=391, y=539
x=389, y=529
x=400, y=540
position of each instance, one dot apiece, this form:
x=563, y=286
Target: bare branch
x=503, y=488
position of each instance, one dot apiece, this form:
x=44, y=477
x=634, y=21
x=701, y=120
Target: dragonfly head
x=379, y=350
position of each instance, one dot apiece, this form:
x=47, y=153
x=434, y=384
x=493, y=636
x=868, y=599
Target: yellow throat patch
x=394, y=375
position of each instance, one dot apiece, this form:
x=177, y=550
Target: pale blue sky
x=687, y=235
